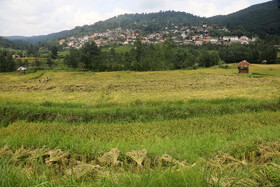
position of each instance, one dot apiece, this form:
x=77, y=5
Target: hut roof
x=21, y=69
x=244, y=63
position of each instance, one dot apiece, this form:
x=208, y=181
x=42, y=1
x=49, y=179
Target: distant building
x=183, y=35
x=199, y=42
x=244, y=40
x=214, y=40
x=70, y=44
x=207, y=39
x=61, y=42
x=231, y=38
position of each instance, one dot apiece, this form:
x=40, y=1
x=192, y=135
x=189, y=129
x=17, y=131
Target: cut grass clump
x=220, y=169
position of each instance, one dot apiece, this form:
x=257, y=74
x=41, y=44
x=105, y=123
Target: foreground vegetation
x=170, y=128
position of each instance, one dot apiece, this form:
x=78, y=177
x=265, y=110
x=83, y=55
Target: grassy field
x=119, y=49
x=205, y=127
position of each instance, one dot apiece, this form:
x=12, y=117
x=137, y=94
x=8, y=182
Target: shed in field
x=21, y=69
x=243, y=66
x=264, y=61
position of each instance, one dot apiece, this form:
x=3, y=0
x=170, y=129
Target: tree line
x=7, y=62
x=168, y=56
x=152, y=57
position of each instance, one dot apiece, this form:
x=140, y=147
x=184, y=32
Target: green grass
x=120, y=49
x=220, y=128
x=136, y=111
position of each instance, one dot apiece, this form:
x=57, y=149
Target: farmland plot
x=189, y=127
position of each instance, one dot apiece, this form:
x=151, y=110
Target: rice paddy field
x=205, y=127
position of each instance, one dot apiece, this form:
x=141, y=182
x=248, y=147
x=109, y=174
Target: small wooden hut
x=243, y=67
x=21, y=69
x=264, y=61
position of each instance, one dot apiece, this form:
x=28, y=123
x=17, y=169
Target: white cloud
x=211, y=7
x=116, y=12
x=235, y=6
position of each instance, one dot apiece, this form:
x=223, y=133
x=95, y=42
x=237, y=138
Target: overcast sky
x=40, y=17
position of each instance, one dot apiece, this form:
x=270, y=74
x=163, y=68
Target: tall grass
x=137, y=111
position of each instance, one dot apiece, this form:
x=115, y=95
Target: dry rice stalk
x=110, y=158
x=83, y=169
x=56, y=156
x=5, y=150
x=137, y=156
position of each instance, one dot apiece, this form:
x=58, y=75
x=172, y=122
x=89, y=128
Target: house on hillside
x=231, y=38
x=244, y=40
x=214, y=40
x=199, y=42
x=61, y=42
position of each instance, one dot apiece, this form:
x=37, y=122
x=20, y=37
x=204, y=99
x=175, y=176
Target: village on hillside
x=197, y=35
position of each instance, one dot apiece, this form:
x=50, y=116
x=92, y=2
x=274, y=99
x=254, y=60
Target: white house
x=61, y=42
x=231, y=38
x=214, y=40
x=244, y=39
x=86, y=37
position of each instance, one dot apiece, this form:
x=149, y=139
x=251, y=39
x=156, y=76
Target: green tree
x=54, y=52
x=179, y=59
x=268, y=53
x=91, y=57
x=208, y=59
x=7, y=63
x=37, y=64
x=190, y=59
x=25, y=62
x=50, y=63
x=167, y=49
x=73, y=59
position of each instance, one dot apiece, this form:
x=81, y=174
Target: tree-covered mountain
x=259, y=19
x=35, y=39
x=16, y=44
x=146, y=22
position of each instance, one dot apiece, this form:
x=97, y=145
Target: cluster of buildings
x=197, y=35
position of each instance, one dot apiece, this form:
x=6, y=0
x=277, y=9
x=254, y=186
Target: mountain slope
x=260, y=19
x=16, y=44
x=149, y=23
x=35, y=39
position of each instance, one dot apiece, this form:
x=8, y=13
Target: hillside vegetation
x=186, y=127
x=260, y=19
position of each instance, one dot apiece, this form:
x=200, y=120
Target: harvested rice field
x=205, y=127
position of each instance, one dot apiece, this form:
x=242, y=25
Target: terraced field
x=170, y=128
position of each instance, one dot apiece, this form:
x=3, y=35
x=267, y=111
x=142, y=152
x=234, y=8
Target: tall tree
x=7, y=63
x=54, y=52
x=91, y=56
x=50, y=63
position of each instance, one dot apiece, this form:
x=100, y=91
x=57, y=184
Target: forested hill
x=260, y=19
x=16, y=44
x=146, y=22
x=35, y=39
